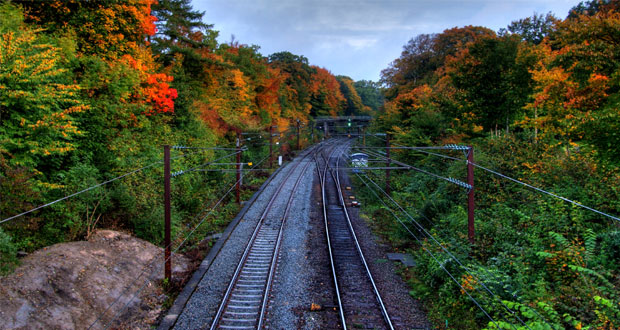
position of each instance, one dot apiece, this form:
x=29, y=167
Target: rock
x=69, y=285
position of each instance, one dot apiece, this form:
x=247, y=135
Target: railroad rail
x=353, y=281
x=245, y=302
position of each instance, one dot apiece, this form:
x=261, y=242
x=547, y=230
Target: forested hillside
x=90, y=90
x=539, y=102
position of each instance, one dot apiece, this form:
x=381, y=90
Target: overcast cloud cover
x=357, y=38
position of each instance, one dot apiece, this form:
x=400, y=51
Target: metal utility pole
x=364, y=136
x=298, y=141
x=238, y=185
x=271, y=146
x=387, y=171
x=167, y=257
x=470, y=195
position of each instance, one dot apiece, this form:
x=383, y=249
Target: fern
x=559, y=239
x=590, y=243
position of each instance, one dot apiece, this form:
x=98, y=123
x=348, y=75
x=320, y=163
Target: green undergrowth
x=554, y=264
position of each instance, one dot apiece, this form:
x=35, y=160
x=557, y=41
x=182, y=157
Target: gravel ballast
x=302, y=295
x=291, y=290
x=205, y=300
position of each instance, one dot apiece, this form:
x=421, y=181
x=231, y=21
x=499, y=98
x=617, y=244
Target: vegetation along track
x=245, y=302
x=359, y=302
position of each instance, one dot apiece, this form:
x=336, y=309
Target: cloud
x=357, y=38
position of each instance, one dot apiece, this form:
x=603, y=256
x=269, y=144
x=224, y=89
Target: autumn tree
x=295, y=93
x=424, y=55
x=108, y=28
x=38, y=100
x=354, y=104
x=326, y=98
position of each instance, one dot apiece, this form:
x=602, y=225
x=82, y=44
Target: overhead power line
x=151, y=263
x=546, y=192
x=79, y=192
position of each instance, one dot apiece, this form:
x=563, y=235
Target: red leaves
x=159, y=94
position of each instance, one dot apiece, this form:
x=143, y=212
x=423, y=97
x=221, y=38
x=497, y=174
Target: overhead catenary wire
x=200, y=148
x=174, y=251
x=428, y=221
x=462, y=250
x=79, y=192
x=93, y=187
x=540, y=190
x=499, y=174
x=431, y=254
x=451, y=180
x=210, y=162
x=423, y=230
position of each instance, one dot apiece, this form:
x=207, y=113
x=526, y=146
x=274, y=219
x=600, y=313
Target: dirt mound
x=69, y=285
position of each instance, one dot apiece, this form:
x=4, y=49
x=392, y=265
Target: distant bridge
x=328, y=123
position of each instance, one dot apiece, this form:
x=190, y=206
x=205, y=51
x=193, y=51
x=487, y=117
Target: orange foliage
x=324, y=84
x=108, y=28
x=159, y=94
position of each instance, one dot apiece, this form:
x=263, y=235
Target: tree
x=592, y=7
x=416, y=64
x=495, y=84
x=326, y=98
x=354, y=104
x=180, y=30
x=38, y=101
x=108, y=28
x=370, y=93
x=424, y=56
x=532, y=29
x=295, y=95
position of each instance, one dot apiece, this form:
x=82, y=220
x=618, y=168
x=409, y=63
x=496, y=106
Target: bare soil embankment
x=68, y=285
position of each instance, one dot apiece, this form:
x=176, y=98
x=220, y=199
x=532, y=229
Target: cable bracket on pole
x=455, y=147
x=177, y=173
x=460, y=183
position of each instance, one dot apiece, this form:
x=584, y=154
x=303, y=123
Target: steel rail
x=226, y=299
x=278, y=244
x=190, y=233
x=331, y=254
x=336, y=178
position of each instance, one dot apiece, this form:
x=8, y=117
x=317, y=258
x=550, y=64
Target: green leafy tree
x=370, y=93
x=532, y=29
x=495, y=84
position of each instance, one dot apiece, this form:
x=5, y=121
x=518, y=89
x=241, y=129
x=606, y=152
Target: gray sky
x=358, y=38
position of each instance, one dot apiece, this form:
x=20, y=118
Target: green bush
x=8, y=253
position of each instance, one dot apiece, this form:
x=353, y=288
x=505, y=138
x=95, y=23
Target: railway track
x=245, y=302
x=359, y=302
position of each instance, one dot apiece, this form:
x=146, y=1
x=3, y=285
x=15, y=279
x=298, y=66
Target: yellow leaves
x=237, y=79
x=468, y=282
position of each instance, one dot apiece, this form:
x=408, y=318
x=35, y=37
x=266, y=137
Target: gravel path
x=206, y=298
